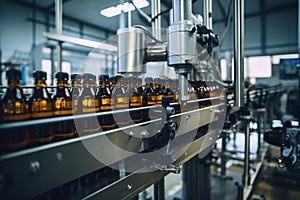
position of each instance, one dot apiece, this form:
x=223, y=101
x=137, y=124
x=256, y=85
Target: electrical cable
x=161, y=13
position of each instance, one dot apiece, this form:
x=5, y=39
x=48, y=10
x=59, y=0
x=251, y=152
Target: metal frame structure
x=37, y=163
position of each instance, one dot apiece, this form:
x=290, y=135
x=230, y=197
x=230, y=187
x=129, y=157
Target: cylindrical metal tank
x=131, y=50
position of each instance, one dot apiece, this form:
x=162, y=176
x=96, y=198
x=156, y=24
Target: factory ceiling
x=88, y=11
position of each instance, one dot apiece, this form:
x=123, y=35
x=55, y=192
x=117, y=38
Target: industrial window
x=259, y=67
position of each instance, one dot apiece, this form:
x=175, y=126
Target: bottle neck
x=89, y=84
x=62, y=83
x=13, y=83
x=75, y=84
x=40, y=83
x=136, y=85
x=131, y=85
x=103, y=84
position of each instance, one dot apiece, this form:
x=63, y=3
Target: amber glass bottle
x=158, y=90
x=88, y=103
x=167, y=91
x=14, y=107
x=75, y=90
x=135, y=99
x=106, y=103
x=149, y=97
x=211, y=88
x=204, y=93
x=140, y=86
x=62, y=101
x=192, y=90
x=40, y=105
x=148, y=93
x=121, y=100
x=175, y=89
x=112, y=82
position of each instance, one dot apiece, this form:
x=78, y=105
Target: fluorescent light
x=110, y=12
x=141, y=3
x=126, y=7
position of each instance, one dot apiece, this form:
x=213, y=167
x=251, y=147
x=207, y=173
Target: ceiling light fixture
x=126, y=7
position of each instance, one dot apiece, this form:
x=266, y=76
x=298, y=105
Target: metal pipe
x=58, y=23
x=183, y=85
x=207, y=13
x=239, y=52
x=129, y=18
x=182, y=10
x=258, y=132
x=53, y=70
x=228, y=58
x=182, y=55
x=156, y=23
x=122, y=18
x=34, y=24
x=172, y=16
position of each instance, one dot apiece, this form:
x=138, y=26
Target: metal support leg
x=240, y=192
x=223, y=161
x=265, y=120
x=258, y=133
x=159, y=190
x=246, y=175
x=234, y=138
x=196, y=179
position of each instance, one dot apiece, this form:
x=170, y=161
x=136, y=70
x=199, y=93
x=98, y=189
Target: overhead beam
x=81, y=42
x=52, y=25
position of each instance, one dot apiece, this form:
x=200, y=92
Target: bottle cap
x=156, y=80
x=89, y=77
x=149, y=80
x=62, y=76
x=103, y=77
x=139, y=80
x=76, y=77
x=40, y=75
x=13, y=74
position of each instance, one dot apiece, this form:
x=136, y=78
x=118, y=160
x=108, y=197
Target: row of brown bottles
x=15, y=107
x=84, y=96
